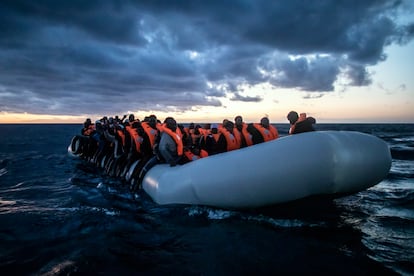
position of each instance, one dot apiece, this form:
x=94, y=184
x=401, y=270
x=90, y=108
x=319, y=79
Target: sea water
x=62, y=215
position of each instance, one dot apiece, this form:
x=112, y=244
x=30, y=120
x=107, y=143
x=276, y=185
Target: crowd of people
x=151, y=141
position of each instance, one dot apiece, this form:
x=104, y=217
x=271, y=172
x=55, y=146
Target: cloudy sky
x=337, y=60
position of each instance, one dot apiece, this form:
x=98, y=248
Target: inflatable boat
x=319, y=163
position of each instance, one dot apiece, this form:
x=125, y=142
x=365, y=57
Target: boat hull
x=279, y=171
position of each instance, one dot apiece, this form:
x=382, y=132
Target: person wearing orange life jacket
x=131, y=119
x=187, y=141
x=300, y=124
x=241, y=128
x=110, y=134
x=88, y=128
x=209, y=141
x=131, y=135
x=191, y=153
x=228, y=139
x=169, y=150
x=171, y=146
x=122, y=137
x=87, y=144
x=150, y=133
x=196, y=134
x=262, y=132
x=135, y=139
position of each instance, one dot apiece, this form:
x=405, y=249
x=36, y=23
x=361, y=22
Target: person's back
x=241, y=128
x=256, y=137
x=228, y=140
x=149, y=132
x=300, y=124
x=304, y=126
x=262, y=132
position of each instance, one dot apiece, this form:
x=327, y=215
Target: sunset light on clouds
x=203, y=61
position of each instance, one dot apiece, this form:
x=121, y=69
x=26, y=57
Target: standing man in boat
x=300, y=124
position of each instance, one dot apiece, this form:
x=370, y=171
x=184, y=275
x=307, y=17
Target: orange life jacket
x=91, y=128
x=177, y=137
x=203, y=153
x=267, y=134
x=232, y=142
x=191, y=156
x=122, y=135
x=135, y=138
x=247, y=136
x=152, y=133
x=187, y=131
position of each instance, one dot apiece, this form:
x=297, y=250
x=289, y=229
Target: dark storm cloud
x=85, y=57
x=238, y=97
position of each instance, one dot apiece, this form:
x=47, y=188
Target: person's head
x=131, y=117
x=229, y=126
x=238, y=120
x=170, y=123
x=265, y=122
x=87, y=122
x=152, y=121
x=214, y=128
x=181, y=127
x=197, y=129
x=292, y=117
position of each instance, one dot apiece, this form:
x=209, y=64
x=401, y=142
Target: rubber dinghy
x=333, y=163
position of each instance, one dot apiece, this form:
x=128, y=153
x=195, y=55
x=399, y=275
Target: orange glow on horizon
x=26, y=118
x=326, y=116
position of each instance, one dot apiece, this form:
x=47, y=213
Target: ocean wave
x=401, y=169
x=390, y=241
x=210, y=213
x=284, y=223
x=3, y=171
x=65, y=267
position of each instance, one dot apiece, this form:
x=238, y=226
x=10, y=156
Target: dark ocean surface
x=63, y=216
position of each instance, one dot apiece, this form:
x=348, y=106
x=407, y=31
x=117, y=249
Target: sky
x=345, y=61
